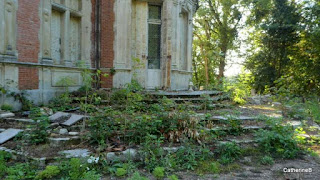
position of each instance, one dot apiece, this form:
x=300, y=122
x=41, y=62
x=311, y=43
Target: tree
x=216, y=29
x=278, y=31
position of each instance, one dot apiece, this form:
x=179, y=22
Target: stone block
x=73, y=119
x=8, y=134
x=58, y=116
x=6, y=115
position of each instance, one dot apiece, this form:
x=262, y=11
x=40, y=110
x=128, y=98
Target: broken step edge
x=9, y=134
x=74, y=118
x=21, y=120
x=6, y=115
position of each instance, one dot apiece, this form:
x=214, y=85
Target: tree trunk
x=205, y=66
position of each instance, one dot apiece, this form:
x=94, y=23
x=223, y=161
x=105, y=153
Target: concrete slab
x=8, y=134
x=185, y=93
x=6, y=115
x=241, y=118
x=58, y=116
x=21, y=120
x=73, y=119
x=76, y=153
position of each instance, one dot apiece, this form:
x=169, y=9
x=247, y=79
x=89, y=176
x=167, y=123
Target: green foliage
x=228, y=152
x=39, y=131
x=121, y=172
x=4, y=157
x=216, y=31
x=62, y=102
x=152, y=153
x=22, y=98
x=313, y=108
x=6, y=107
x=21, y=171
x=76, y=169
x=92, y=175
x=159, y=172
x=266, y=160
x=137, y=176
x=278, y=141
x=48, y=173
x=239, y=87
x=173, y=177
x=208, y=166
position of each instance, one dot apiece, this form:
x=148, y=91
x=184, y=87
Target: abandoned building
x=43, y=42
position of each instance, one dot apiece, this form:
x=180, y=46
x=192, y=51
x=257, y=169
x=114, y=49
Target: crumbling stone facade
x=43, y=42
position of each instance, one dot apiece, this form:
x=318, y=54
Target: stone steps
x=184, y=94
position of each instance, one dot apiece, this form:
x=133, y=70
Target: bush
x=266, y=160
x=3, y=165
x=158, y=172
x=6, y=107
x=173, y=177
x=76, y=169
x=279, y=141
x=91, y=175
x=121, y=172
x=228, y=152
x=49, y=172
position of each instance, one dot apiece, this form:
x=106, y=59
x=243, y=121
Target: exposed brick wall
x=107, y=39
x=28, y=45
x=28, y=21
x=28, y=78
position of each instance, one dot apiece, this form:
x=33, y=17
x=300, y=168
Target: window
x=154, y=37
x=66, y=32
x=57, y=18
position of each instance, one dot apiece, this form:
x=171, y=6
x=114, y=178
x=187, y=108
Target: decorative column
x=10, y=27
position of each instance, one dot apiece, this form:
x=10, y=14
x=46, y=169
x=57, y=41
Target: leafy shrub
x=6, y=107
x=152, y=153
x=49, y=172
x=173, y=177
x=121, y=172
x=3, y=165
x=61, y=103
x=91, y=175
x=21, y=171
x=228, y=152
x=278, y=141
x=158, y=172
x=207, y=166
x=76, y=169
x=265, y=160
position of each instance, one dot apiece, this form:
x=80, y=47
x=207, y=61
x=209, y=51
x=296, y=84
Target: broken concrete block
x=123, y=156
x=21, y=120
x=63, y=131
x=75, y=153
x=8, y=134
x=6, y=115
x=73, y=119
x=73, y=133
x=58, y=116
x=64, y=141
